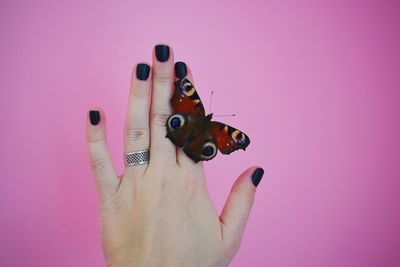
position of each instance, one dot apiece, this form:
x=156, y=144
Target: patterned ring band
x=137, y=157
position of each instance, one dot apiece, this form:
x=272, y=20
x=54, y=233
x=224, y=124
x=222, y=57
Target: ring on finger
x=137, y=157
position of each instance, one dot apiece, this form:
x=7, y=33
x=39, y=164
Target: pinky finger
x=107, y=180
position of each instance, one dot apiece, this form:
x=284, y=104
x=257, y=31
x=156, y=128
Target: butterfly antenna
x=224, y=115
x=209, y=106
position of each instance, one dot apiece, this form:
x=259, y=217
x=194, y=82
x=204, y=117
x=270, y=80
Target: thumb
x=237, y=208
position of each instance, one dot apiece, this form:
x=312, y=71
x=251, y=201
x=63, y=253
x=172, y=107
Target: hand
x=160, y=213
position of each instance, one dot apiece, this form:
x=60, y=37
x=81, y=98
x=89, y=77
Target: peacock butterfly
x=190, y=128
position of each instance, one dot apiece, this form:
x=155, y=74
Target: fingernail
x=180, y=69
x=94, y=117
x=257, y=175
x=142, y=71
x=162, y=53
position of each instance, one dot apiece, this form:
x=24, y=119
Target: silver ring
x=137, y=157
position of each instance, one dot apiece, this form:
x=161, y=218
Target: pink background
x=315, y=84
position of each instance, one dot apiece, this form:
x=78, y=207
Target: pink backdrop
x=315, y=84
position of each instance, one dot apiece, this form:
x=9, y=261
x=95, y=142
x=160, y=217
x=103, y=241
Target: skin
x=160, y=213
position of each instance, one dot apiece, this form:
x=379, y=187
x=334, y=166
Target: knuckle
x=140, y=89
x=92, y=140
x=159, y=118
x=134, y=135
x=164, y=79
x=99, y=166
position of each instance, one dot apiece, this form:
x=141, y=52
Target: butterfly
x=189, y=128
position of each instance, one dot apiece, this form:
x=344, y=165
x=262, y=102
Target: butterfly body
x=189, y=128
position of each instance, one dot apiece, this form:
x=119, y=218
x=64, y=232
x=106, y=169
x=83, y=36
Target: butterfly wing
x=227, y=138
x=186, y=99
x=213, y=137
x=187, y=118
x=180, y=128
x=202, y=147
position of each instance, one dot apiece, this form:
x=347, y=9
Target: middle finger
x=162, y=150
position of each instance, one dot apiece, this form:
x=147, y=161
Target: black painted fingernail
x=94, y=117
x=180, y=69
x=162, y=52
x=257, y=175
x=142, y=71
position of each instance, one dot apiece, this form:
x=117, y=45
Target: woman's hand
x=160, y=213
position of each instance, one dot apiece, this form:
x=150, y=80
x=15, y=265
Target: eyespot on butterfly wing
x=227, y=138
x=180, y=127
x=188, y=113
x=186, y=100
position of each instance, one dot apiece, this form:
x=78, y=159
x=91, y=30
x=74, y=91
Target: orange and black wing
x=186, y=100
x=227, y=138
x=188, y=113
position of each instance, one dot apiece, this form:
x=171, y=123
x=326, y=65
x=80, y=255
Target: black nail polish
x=142, y=71
x=94, y=117
x=180, y=69
x=257, y=175
x=162, y=52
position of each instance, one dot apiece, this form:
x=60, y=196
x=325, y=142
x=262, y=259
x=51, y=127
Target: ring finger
x=137, y=120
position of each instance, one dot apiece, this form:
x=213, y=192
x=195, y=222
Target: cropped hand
x=160, y=213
